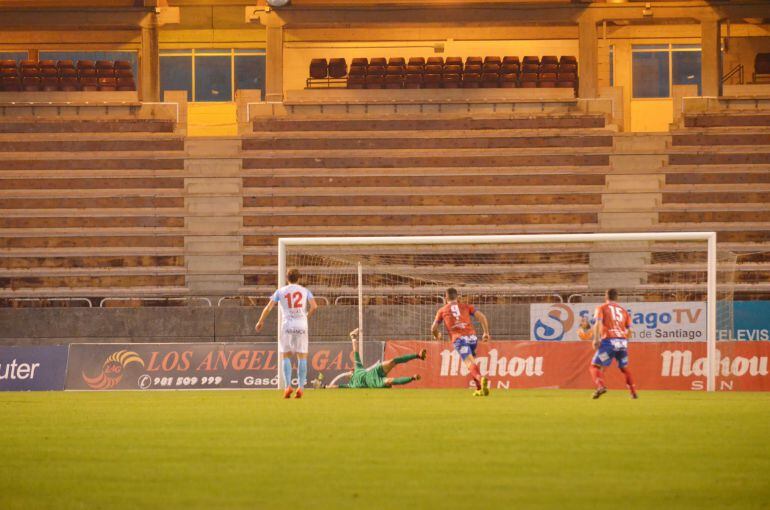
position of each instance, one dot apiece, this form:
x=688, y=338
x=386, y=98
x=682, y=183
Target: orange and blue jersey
x=456, y=317
x=613, y=322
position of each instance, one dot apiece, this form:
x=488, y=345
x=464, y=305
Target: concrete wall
x=33, y=326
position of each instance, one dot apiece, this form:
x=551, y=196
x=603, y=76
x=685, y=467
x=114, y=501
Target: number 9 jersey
x=457, y=319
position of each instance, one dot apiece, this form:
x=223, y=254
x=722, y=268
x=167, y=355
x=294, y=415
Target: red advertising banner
x=742, y=366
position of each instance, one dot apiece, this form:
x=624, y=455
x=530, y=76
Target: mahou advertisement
x=741, y=366
x=186, y=366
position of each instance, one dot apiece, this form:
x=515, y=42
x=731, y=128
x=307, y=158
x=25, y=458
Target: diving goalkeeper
x=376, y=376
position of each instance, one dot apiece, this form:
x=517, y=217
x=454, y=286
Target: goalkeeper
x=376, y=376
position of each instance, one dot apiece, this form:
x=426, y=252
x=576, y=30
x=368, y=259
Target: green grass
x=397, y=449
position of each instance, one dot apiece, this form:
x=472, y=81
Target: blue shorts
x=466, y=346
x=612, y=348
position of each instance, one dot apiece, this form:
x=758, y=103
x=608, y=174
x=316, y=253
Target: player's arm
x=597, y=328
x=435, y=327
x=313, y=307
x=265, y=312
x=484, y=325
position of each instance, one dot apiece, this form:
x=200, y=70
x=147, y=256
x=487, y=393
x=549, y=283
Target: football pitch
x=389, y=449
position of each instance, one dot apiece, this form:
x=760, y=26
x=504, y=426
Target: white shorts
x=293, y=338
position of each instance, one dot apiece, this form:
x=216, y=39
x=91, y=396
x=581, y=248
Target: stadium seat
x=453, y=69
x=30, y=83
x=68, y=84
x=413, y=80
x=338, y=68
x=88, y=83
x=10, y=84
x=126, y=84
x=375, y=81
x=529, y=67
x=357, y=70
x=471, y=80
x=431, y=80
x=397, y=61
x=492, y=60
x=105, y=72
x=454, y=61
x=49, y=83
x=379, y=61
x=434, y=69
x=566, y=84
x=762, y=67
x=511, y=60
x=472, y=68
x=416, y=61
x=105, y=64
x=451, y=80
x=86, y=64
x=566, y=76
x=65, y=64
x=509, y=81
x=490, y=67
x=87, y=72
x=567, y=59
x=7, y=63
x=46, y=63
x=376, y=70
x=490, y=80
x=9, y=71
x=358, y=61
x=509, y=68
x=549, y=68
x=435, y=61
x=123, y=64
x=394, y=81
x=474, y=61
x=68, y=72
x=568, y=68
x=529, y=59
x=124, y=73
x=319, y=68
x=356, y=81
x=549, y=59
x=107, y=84
x=528, y=80
x=30, y=71
x=48, y=72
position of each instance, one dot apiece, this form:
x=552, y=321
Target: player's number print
x=455, y=311
x=617, y=313
x=294, y=299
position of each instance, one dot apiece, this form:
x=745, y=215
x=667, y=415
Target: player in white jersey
x=297, y=305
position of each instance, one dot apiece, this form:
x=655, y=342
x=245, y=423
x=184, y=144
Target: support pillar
x=274, y=63
x=711, y=58
x=149, y=61
x=588, y=59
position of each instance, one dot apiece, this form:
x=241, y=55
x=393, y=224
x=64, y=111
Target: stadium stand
x=421, y=174
x=91, y=207
x=437, y=72
x=65, y=76
x=762, y=68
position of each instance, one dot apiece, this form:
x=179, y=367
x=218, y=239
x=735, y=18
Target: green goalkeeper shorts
x=371, y=378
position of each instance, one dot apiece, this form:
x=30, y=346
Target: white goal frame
x=711, y=274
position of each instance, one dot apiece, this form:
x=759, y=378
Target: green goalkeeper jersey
x=374, y=377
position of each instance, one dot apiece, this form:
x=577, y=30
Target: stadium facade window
x=130, y=56
x=14, y=55
x=212, y=74
x=657, y=67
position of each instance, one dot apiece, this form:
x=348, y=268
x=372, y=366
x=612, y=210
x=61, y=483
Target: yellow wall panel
x=651, y=115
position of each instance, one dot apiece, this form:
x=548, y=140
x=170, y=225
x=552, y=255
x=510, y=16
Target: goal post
x=409, y=272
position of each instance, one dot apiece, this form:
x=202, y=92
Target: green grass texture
x=391, y=449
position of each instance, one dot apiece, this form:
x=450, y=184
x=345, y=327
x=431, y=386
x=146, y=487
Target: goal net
x=678, y=287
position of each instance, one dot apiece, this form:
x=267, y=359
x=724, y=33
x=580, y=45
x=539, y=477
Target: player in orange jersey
x=613, y=327
x=456, y=317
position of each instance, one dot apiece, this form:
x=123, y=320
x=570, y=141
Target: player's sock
x=629, y=381
x=402, y=380
x=302, y=372
x=287, y=371
x=596, y=375
x=476, y=374
x=406, y=357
